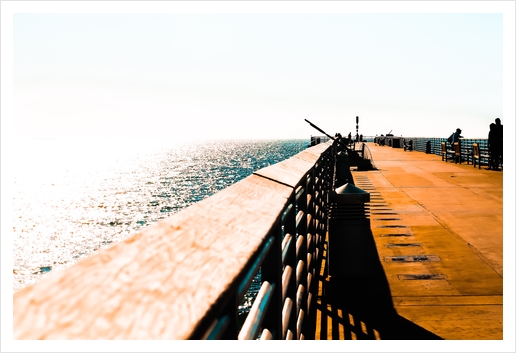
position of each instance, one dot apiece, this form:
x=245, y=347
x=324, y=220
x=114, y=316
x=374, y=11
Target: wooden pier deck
x=448, y=219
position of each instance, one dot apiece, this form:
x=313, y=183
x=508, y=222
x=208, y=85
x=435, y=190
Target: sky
x=240, y=70
x=257, y=72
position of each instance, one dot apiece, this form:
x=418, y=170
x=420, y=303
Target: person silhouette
x=455, y=137
x=499, y=128
x=495, y=144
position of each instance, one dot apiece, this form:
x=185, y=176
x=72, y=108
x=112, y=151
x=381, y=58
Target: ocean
x=75, y=197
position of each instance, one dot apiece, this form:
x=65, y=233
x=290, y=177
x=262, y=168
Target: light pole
x=357, y=130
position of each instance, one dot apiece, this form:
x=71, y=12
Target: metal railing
x=283, y=308
x=287, y=261
x=420, y=144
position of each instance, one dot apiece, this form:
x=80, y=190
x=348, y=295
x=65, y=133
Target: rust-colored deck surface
x=434, y=253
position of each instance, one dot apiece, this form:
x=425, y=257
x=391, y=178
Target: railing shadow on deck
x=361, y=308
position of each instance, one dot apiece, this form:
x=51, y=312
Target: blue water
x=74, y=198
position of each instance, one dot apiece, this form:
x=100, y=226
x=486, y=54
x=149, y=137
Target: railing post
x=301, y=256
x=311, y=256
x=310, y=210
x=289, y=302
x=271, y=271
x=319, y=208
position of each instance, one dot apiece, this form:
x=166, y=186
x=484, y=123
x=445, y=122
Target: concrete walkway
x=434, y=255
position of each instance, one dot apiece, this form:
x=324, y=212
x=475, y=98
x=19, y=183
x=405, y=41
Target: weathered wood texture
x=290, y=171
x=313, y=153
x=161, y=282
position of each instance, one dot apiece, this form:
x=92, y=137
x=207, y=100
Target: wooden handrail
x=185, y=277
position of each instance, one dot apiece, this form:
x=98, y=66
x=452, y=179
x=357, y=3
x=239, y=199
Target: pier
x=436, y=269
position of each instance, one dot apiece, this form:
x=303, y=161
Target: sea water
x=75, y=197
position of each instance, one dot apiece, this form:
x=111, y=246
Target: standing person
x=499, y=128
x=491, y=147
x=495, y=144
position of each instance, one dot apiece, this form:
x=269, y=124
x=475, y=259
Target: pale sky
x=260, y=71
x=238, y=69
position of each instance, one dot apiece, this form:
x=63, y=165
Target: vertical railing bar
x=245, y=283
x=290, y=260
x=272, y=270
x=285, y=280
x=299, y=192
x=299, y=218
x=300, y=269
x=301, y=248
x=217, y=329
x=285, y=247
x=287, y=310
x=287, y=212
x=266, y=335
x=310, y=248
x=300, y=324
x=254, y=320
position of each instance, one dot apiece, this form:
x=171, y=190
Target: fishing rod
x=319, y=129
x=315, y=127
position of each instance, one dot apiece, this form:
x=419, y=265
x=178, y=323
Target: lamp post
x=357, y=130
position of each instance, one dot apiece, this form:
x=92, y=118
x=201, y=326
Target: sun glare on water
x=75, y=197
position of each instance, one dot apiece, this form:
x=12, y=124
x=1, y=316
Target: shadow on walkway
x=362, y=308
